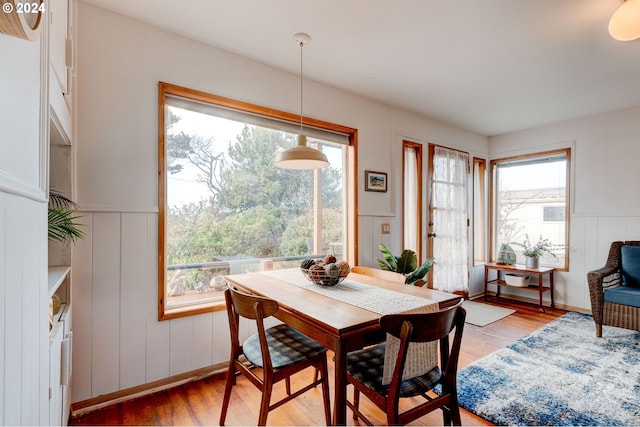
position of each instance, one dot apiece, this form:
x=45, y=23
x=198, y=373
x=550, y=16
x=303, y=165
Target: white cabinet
x=65, y=364
x=59, y=39
x=60, y=345
x=55, y=364
x=61, y=53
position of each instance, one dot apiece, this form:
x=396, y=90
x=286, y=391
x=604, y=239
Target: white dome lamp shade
x=624, y=24
x=301, y=156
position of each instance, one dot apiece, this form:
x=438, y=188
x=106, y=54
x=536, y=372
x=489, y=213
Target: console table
x=521, y=269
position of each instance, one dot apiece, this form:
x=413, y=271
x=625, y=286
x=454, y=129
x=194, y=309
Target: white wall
x=605, y=202
x=24, y=345
x=118, y=342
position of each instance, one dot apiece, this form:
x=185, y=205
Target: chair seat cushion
x=367, y=365
x=630, y=265
x=286, y=347
x=624, y=295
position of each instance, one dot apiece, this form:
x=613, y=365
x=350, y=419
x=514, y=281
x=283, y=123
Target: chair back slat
x=392, y=276
x=234, y=323
x=245, y=305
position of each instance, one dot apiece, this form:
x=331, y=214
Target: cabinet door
x=66, y=364
x=55, y=384
x=58, y=35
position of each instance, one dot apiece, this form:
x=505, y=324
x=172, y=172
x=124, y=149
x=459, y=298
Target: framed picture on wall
x=375, y=181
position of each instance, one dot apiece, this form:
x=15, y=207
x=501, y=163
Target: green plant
x=406, y=264
x=61, y=219
x=541, y=247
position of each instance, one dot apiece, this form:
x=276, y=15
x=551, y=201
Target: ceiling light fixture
x=624, y=24
x=301, y=156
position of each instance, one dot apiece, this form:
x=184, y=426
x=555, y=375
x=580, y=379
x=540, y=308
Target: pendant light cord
x=301, y=91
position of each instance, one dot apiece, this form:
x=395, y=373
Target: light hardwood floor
x=198, y=403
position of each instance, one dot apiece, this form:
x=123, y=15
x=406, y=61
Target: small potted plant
x=532, y=253
x=406, y=264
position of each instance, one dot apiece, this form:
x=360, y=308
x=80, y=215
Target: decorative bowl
x=323, y=277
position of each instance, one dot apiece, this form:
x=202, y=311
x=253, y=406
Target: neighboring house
x=118, y=341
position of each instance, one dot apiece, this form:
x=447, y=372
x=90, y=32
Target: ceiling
x=486, y=66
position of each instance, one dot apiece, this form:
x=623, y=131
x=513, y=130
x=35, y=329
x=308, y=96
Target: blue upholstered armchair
x=615, y=288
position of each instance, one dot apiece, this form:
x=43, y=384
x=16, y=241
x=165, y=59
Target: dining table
x=334, y=316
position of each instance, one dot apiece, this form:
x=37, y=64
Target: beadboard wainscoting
x=118, y=341
x=24, y=335
x=370, y=235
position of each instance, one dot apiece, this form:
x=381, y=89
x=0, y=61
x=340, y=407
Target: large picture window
x=530, y=198
x=224, y=206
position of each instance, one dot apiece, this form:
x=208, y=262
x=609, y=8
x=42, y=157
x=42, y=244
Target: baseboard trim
x=102, y=401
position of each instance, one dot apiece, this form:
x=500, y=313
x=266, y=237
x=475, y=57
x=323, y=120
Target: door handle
x=431, y=234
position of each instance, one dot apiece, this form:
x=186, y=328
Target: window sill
x=191, y=305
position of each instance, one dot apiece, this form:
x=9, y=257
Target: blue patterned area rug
x=560, y=374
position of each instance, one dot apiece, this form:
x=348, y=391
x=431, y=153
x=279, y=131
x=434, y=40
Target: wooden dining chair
x=380, y=274
x=280, y=351
x=365, y=368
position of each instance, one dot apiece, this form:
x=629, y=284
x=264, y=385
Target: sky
x=183, y=187
x=539, y=175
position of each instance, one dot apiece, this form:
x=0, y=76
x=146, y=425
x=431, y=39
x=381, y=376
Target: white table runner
x=372, y=298
x=421, y=356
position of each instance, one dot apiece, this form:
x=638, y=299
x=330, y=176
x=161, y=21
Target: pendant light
x=301, y=156
x=624, y=24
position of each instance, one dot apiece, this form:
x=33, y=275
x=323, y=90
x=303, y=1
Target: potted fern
x=406, y=264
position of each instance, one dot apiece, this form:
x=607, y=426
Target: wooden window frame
x=492, y=178
x=167, y=89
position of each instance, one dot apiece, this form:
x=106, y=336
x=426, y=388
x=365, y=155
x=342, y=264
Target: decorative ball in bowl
x=326, y=272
